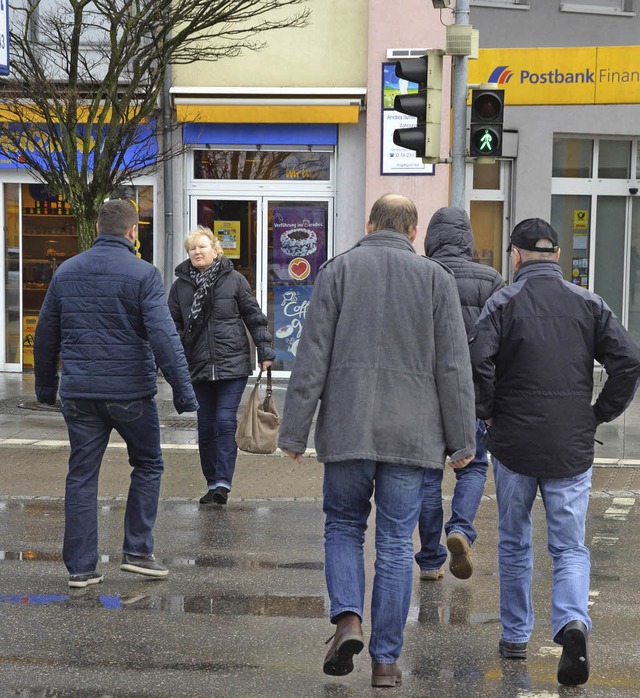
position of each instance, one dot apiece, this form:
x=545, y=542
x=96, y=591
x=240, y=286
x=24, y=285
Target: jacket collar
x=538, y=267
x=182, y=270
x=386, y=238
x=108, y=239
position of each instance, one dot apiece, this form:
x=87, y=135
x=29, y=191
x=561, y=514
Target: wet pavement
x=243, y=611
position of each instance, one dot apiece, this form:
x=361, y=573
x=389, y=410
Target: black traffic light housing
x=425, y=105
x=487, y=116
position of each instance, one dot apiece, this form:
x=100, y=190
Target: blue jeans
x=217, y=422
x=347, y=491
x=565, y=502
x=470, y=482
x=90, y=423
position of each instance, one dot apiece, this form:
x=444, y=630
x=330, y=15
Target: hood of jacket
x=449, y=234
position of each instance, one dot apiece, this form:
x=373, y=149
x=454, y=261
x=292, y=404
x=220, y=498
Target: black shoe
x=512, y=650
x=573, y=667
x=79, y=581
x=143, y=564
x=207, y=498
x=220, y=495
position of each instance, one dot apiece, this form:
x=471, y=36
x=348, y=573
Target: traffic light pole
x=459, y=116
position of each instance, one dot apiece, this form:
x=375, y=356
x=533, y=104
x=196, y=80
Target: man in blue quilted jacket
x=105, y=314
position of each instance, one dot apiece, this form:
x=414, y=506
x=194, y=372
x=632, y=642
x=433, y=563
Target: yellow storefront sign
x=228, y=233
x=582, y=75
x=29, y=323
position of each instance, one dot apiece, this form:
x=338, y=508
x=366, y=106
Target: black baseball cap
x=527, y=233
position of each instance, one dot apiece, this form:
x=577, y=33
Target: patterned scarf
x=203, y=281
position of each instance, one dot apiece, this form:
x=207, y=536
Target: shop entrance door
x=278, y=244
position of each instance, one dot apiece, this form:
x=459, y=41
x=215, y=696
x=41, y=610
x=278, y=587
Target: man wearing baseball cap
x=532, y=352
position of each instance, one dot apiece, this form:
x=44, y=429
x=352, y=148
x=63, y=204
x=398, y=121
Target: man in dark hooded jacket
x=450, y=241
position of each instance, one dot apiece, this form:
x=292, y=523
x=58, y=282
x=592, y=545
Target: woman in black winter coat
x=211, y=303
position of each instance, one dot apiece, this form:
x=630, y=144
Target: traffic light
x=425, y=105
x=487, y=115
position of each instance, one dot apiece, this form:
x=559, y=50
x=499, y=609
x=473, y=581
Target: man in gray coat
x=384, y=350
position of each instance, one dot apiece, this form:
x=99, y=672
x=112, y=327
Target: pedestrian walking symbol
x=486, y=142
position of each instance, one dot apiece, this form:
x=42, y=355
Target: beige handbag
x=258, y=425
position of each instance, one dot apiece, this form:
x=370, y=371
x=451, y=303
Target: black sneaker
x=220, y=495
x=512, y=650
x=80, y=581
x=143, y=564
x=207, y=498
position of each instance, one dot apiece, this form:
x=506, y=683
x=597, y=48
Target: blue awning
x=260, y=134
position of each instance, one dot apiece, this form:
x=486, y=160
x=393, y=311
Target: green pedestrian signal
x=487, y=115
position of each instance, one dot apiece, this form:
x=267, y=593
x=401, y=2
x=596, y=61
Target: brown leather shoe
x=347, y=641
x=385, y=675
x=460, y=563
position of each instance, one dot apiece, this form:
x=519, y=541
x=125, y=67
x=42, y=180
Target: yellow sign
x=581, y=220
x=228, y=233
x=581, y=75
x=29, y=323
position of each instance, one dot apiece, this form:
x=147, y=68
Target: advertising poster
x=299, y=243
x=228, y=233
x=290, y=309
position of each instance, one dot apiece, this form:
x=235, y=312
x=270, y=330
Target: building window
x=572, y=157
x=605, y=7
x=262, y=165
x=504, y=4
x=614, y=161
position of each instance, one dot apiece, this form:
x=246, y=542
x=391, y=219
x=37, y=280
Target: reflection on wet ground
x=216, y=561
x=238, y=604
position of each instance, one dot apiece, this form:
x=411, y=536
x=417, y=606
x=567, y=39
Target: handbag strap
x=269, y=385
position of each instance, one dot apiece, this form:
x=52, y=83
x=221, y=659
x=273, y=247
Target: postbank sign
x=577, y=75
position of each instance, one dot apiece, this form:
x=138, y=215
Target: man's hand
x=489, y=421
x=264, y=365
x=457, y=464
x=294, y=455
x=185, y=404
x=46, y=395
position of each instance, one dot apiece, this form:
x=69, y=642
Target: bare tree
x=80, y=106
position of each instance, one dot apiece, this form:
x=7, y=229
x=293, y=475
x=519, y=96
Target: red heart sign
x=299, y=268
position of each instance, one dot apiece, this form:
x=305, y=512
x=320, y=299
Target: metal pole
x=167, y=181
x=459, y=116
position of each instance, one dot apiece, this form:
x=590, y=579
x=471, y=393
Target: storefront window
x=486, y=176
x=262, y=165
x=487, y=218
x=634, y=272
x=614, y=160
x=570, y=218
x=610, y=254
x=12, y=273
x=572, y=157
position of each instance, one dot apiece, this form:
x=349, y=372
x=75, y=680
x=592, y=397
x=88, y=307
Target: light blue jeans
x=347, y=490
x=467, y=495
x=565, y=502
